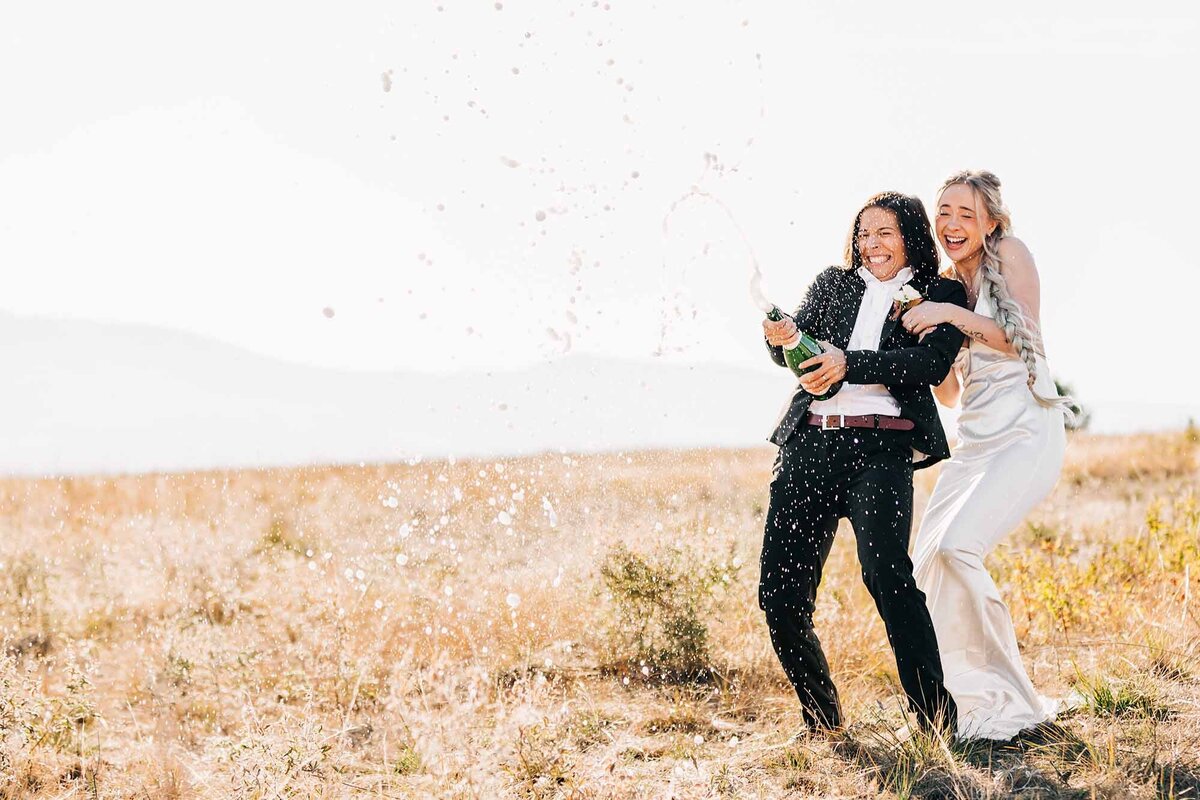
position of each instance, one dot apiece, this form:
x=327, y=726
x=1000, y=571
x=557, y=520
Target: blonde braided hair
x=1018, y=328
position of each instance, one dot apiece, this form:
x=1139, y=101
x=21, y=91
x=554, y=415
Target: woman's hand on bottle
x=925, y=316
x=831, y=368
x=781, y=332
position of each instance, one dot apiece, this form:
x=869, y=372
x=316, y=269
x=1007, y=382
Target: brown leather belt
x=834, y=421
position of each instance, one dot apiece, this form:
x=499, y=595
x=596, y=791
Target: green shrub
x=1062, y=587
x=661, y=603
x=1116, y=697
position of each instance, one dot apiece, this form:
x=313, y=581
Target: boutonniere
x=905, y=298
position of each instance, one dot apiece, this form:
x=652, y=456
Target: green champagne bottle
x=803, y=347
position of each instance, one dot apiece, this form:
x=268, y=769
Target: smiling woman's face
x=962, y=223
x=880, y=243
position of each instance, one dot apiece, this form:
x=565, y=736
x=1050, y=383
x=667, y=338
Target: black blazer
x=906, y=366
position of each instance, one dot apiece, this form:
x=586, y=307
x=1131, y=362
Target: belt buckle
x=841, y=422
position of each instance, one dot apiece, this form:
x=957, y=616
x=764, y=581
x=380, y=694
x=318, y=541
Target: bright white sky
x=236, y=168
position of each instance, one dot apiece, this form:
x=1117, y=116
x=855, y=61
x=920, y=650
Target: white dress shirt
x=855, y=399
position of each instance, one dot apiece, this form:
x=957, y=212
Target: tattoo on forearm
x=973, y=334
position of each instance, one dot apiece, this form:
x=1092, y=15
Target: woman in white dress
x=1008, y=457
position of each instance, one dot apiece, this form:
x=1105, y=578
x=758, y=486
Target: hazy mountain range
x=87, y=397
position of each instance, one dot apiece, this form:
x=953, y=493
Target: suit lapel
x=889, y=327
x=845, y=310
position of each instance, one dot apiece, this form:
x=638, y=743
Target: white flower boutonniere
x=905, y=298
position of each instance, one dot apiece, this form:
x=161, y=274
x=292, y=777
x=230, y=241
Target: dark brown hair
x=919, y=246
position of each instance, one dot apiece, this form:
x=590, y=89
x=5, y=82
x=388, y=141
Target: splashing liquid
x=803, y=346
x=756, y=279
x=714, y=164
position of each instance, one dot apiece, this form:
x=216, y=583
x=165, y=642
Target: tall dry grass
x=507, y=628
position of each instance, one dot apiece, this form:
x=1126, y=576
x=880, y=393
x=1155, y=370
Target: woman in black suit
x=853, y=454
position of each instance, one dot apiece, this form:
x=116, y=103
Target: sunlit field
x=556, y=626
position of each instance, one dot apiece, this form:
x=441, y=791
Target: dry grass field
x=555, y=627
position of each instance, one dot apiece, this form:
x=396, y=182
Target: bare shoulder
x=1016, y=262
x=1014, y=252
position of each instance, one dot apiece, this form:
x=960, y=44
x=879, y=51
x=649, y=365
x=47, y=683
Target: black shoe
x=817, y=733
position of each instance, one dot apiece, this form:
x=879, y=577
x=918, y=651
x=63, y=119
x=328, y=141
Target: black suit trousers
x=866, y=476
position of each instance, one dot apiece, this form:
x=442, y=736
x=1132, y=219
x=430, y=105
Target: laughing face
x=962, y=223
x=880, y=243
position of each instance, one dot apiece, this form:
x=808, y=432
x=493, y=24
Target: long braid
x=1020, y=331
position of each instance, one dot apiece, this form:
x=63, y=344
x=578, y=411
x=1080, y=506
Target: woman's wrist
x=957, y=315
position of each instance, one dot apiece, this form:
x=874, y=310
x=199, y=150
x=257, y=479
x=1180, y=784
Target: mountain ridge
x=94, y=397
